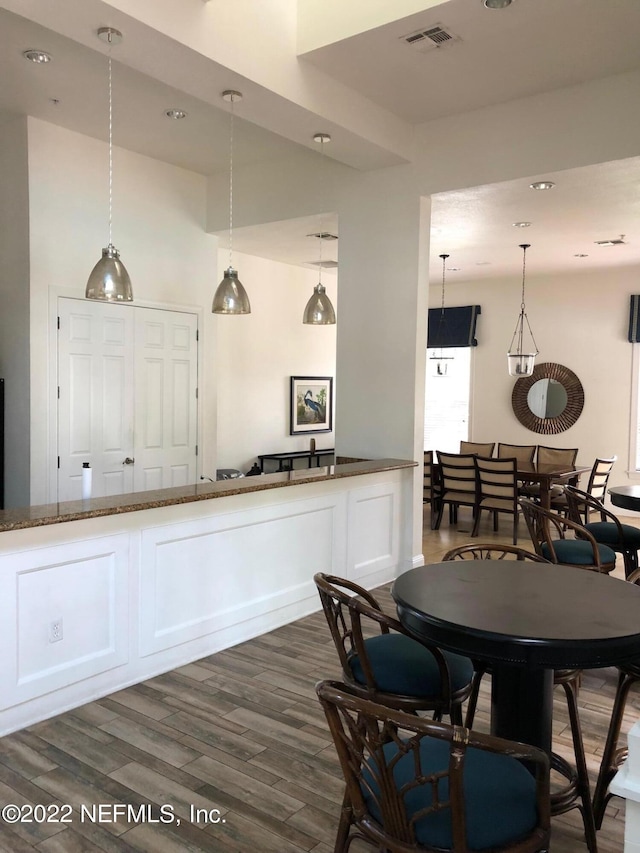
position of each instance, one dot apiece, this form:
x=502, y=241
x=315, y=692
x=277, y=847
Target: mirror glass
x=547, y=398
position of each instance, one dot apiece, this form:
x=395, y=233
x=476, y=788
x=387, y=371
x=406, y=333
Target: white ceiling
x=531, y=47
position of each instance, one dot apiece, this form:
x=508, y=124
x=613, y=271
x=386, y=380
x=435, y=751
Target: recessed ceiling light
x=175, y=113
x=324, y=235
x=581, y=255
x=36, y=55
x=542, y=185
x=454, y=269
x=521, y=224
x=483, y=263
x=497, y=4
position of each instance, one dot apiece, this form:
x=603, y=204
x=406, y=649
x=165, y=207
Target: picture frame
x=311, y=404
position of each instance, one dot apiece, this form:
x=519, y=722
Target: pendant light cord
x=110, y=146
x=321, y=205
x=231, y=183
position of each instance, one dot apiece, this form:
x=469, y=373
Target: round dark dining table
x=626, y=497
x=526, y=620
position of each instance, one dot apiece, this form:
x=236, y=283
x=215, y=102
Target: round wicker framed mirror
x=550, y=400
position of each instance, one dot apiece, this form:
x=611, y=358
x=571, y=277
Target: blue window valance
x=457, y=328
x=634, y=320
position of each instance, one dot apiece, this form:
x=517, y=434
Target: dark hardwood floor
x=240, y=732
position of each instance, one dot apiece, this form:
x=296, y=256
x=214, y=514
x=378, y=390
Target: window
x=446, y=401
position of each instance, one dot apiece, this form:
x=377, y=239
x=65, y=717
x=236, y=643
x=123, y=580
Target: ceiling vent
x=423, y=40
x=324, y=235
x=617, y=241
x=326, y=265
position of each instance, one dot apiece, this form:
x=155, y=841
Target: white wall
x=258, y=353
x=158, y=226
x=14, y=305
x=579, y=321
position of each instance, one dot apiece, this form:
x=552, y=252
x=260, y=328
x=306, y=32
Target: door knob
x=128, y=461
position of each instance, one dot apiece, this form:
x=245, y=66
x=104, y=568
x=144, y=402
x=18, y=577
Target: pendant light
x=231, y=297
x=319, y=311
x=440, y=361
x=109, y=279
x=521, y=359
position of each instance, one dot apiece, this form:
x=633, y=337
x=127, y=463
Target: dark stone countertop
x=39, y=516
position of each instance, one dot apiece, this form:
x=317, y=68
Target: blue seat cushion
x=404, y=666
x=607, y=532
x=578, y=552
x=499, y=796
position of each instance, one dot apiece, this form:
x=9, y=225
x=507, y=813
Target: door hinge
x=58, y=461
x=58, y=322
x=197, y=334
x=58, y=392
x=196, y=393
x=196, y=449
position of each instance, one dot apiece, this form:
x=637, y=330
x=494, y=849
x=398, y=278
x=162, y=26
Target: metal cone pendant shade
x=109, y=280
x=230, y=296
x=319, y=310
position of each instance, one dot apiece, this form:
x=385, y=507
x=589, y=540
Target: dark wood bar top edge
x=57, y=513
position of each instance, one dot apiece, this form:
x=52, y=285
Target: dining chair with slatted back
x=413, y=784
x=383, y=662
x=457, y=484
x=521, y=452
x=606, y=528
x=430, y=486
x=577, y=793
x=613, y=756
x=596, y=487
x=478, y=448
x=551, y=535
x=497, y=484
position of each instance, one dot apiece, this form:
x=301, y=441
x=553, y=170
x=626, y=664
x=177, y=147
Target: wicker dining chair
x=551, y=456
x=383, y=662
x=417, y=785
x=549, y=534
x=613, y=755
x=608, y=529
x=521, y=452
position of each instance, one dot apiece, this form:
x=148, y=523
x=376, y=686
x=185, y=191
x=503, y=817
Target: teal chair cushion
x=578, y=552
x=404, y=666
x=499, y=795
x=607, y=532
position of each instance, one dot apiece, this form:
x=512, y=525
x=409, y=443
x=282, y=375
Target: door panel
x=95, y=406
x=166, y=414
x=128, y=383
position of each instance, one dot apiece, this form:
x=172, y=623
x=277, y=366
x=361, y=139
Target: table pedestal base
x=522, y=704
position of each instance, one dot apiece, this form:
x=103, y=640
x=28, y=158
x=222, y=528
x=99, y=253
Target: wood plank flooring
x=240, y=737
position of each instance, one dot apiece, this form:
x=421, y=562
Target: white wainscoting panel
x=81, y=586
x=373, y=532
x=202, y=577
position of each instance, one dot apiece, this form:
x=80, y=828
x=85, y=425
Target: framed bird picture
x=311, y=404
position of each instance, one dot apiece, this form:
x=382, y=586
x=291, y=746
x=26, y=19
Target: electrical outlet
x=55, y=630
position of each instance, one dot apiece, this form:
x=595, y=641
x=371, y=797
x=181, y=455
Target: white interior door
x=166, y=399
x=95, y=397
x=127, y=398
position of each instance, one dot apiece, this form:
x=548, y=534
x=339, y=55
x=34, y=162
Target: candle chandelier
x=439, y=360
x=522, y=352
